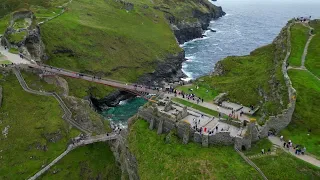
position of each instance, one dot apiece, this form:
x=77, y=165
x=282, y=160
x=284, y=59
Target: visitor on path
x=262, y=151
x=202, y=100
x=303, y=150
x=284, y=144
x=217, y=128
x=281, y=138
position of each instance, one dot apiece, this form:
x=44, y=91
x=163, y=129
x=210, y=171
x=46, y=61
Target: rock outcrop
x=193, y=27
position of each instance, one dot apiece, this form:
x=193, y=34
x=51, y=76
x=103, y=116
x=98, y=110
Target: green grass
x=14, y=50
x=313, y=57
x=94, y=161
x=286, y=166
x=247, y=79
x=17, y=37
x=158, y=160
x=306, y=115
x=201, y=92
x=197, y=107
x=5, y=61
x=33, y=121
x=299, y=38
x=4, y=23
x=258, y=146
x=9, y=6
x=82, y=88
x=37, y=83
x=104, y=38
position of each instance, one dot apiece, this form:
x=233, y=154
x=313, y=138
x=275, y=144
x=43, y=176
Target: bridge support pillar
x=151, y=126
x=160, y=127
x=205, y=140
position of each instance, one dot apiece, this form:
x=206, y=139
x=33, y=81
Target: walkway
x=99, y=138
x=131, y=88
x=211, y=106
x=276, y=140
x=304, y=55
x=67, y=116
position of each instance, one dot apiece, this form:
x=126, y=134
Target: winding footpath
x=94, y=139
x=67, y=116
x=276, y=140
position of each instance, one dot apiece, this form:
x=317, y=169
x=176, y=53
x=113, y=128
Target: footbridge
x=135, y=89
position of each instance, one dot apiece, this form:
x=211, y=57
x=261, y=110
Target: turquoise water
x=126, y=109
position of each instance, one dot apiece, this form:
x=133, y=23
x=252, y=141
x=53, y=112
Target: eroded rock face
x=34, y=45
x=127, y=161
x=168, y=70
x=186, y=31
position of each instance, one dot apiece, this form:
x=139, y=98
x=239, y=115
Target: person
x=216, y=128
x=303, y=150
x=262, y=151
x=281, y=138
x=202, y=100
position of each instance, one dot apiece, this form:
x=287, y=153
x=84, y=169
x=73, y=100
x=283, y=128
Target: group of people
x=298, y=149
x=201, y=130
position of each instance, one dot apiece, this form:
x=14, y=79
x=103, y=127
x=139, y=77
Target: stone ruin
x=166, y=116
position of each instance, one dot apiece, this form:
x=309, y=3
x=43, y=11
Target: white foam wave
x=194, y=40
x=123, y=102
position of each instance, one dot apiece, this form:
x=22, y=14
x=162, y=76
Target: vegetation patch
x=197, y=107
x=203, y=91
x=106, y=39
x=17, y=37
x=258, y=146
x=255, y=79
x=304, y=129
x=81, y=88
x=94, y=161
x=313, y=56
x=179, y=161
x=299, y=38
x=286, y=166
x=36, y=133
x=14, y=50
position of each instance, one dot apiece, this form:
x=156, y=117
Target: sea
x=247, y=25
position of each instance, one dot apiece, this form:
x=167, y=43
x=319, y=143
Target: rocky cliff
x=190, y=26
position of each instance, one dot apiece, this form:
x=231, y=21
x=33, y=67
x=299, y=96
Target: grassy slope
x=82, y=88
x=157, y=160
x=299, y=38
x=94, y=161
x=306, y=115
x=245, y=75
x=8, y=6
x=107, y=39
x=32, y=119
x=283, y=165
x=201, y=92
x=313, y=56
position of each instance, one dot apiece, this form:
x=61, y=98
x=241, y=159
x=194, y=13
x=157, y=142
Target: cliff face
x=190, y=26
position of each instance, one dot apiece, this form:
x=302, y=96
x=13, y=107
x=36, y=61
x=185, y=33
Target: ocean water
x=120, y=114
x=247, y=25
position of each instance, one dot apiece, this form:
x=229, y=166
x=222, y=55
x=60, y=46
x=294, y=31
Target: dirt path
x=276, y=140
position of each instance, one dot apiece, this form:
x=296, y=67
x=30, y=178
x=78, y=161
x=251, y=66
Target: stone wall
x=222, y=138
x=281, y=121
x=164, y=123
x=21, y=15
